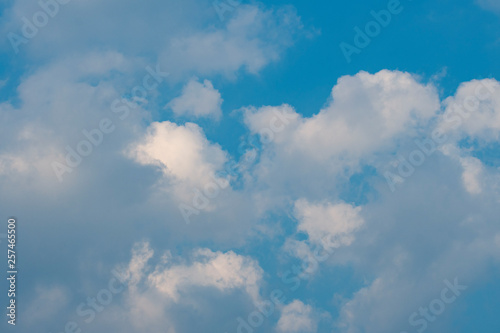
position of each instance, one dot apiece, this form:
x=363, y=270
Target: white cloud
x=372, y=118
x=427, y=231
x=198, y=100
x=366, y=113
x=472, y=175
x=223, y=271
x=141, y=254
x=473, y=111
x=472, y=171
x=337, y=222
x=156, y=292
x=183, y=154
x=367, y=116
x=253, y=38
x=226, y=272
x=297, y=317
x=182, y=151
x=304, y=165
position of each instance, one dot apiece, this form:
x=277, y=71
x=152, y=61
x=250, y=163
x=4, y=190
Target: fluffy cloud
x=414, y=239
x=198, y=100
x=155, y=292
x=472, y=168
x=183, y=153
x=366, y=113
x=472, y=114
x=406, y=243
x=369, y=119
x=297, y=317
x=337, y=222
x=252, y=38
x=367, y=116
x=474, y=111
x=223, y=271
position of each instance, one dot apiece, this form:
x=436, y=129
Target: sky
x=239, y=166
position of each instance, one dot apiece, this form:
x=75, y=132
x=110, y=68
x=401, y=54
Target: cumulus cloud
x=182, y=153
x=473, y=115
x=223, y=271
x=380, y=115
x=366, y=112
x=155, y=292
x=472, y=168
x=474, y=111
x=406, y=243
x=337, y=222
x=198, y=100
x=297, y=317
x=366, y=116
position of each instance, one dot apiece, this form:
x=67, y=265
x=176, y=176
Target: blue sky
x=242, y=175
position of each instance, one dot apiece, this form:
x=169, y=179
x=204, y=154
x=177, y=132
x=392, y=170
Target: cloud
x=155, y=293
x=406, y=242
x=472, y=168
x=297, y=317
x=57, y=102
x=474, y=111
x=197, y=100
x=223, y=271
x=252, y=38
x=186, y=39
x=411, y=240
x=337, y=222
x=365, y=114
x=472, y=114
x=365, y=118
x=415, y=238
x=182, y=153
